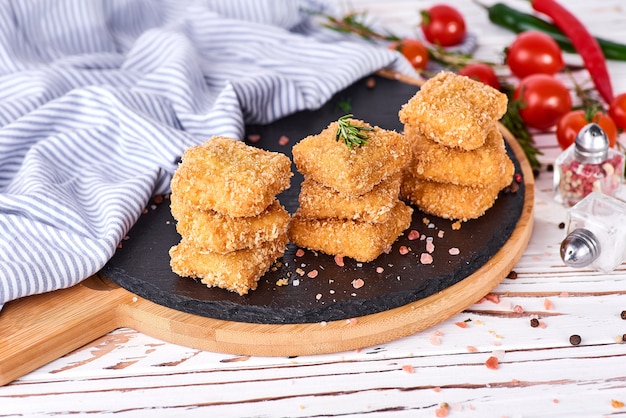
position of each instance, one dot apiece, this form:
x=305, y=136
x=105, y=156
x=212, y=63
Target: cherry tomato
x=443, y=25
x=481, y=72
x=534, y=52
x=569, y=125
x=617, y=111
x=414, y=51
x=544, y=100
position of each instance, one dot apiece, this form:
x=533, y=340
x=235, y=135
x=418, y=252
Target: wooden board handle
x=41, y=328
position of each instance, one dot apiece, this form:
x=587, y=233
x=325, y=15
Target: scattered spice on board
x=492, y=363
x=575, y=339
x=312, y=274
x=413, y=235
x=357, y=283
x=426, y=258
x=547, y=303
x=408, y=368
x=512, y=275
x=454, y=251
x=534, y=322
x=623, y=314
x=299, y=252
x=283, y=140
x=518, y=309
x=472, y=349
x=617, y=404
x=492, y=297
x=403, y=250
x=254, y=138
x=461, y=324
x=339, y=260
x=442, y=411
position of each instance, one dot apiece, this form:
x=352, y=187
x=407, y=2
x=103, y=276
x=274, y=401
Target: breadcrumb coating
x=237, y=271
x=454, y=110
x=319, y=201
x=230, y=177
x=436, y=162
x=451, y=201
x=362, y=241
x=351, y=172
x=213, y=231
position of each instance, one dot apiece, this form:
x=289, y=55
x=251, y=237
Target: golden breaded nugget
x=237, y=271
x=478, y=167
x=230, y=177
x=454, y=110
x=319, y=201
x=452, y=201
x=362, y=241
x=351, y=172
x=213, y=231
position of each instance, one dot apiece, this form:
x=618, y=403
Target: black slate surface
x=141, y=265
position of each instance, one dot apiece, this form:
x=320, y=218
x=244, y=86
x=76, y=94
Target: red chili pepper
x=586, y=45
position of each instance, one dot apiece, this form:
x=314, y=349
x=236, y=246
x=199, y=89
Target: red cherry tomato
x=414, y=51
x=534, y=52
x=443, y=25
x=617, y=111
x=544, y=100
x=481, y=72
x=569, y=125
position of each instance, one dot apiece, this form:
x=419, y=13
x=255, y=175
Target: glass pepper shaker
x=588, y=165
x=596, y=233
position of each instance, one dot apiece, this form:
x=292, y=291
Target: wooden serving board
x=38, y=329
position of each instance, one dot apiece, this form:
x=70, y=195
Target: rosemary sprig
x=351, y=134
x=513, y=121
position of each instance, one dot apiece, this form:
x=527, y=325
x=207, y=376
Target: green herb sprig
x=351, y=134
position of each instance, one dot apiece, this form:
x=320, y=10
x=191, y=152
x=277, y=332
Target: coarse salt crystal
x=254, y=138
x=403, y=250
x=283, y=140
x=357, y=283
x=379, y=269
x=426, y=258
x=430, y=247
x=312, y=274
x=408, y=368
x=413, y=235
x=440, y=233
x=472, y=349
x=518, y=309
x=299, y=252
x=547, y=303
x=318, y=296
x=339, y=260
x=454, y=251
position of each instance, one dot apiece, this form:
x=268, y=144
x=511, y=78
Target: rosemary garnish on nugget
x=352, y=135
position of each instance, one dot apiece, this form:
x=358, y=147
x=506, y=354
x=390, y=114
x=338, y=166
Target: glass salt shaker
x=588, y=165
x=596, y=233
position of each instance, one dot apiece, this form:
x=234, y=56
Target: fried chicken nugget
x=454, y=110
x=451, y=201
x=351, y=172
x=362, y=241
x=436, y=162
x=213, y=231
x=237, y=271
x=319, y=201
x=230, y=177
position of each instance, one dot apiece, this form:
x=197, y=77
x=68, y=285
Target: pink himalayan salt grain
x=435, y=338
x=492, y=363
x=339, y=260
x=413, y=235
x=408, y=368
x=254, y=138
x=440, y=233
x=461, y=324
x=492, y=297
x=454, y=251
x=518, y=309
x=352, y=321
x=379, y=270
x=472, y=349
x=312, y=274
x=403, y=250
x=564, y=294
x=430, y=247
x=283, y=140
x=426, y=258
x=547, y=303
x=542, y=324
x=357, y=283
x=437, y=389
x=300, y=252
x=441, y=412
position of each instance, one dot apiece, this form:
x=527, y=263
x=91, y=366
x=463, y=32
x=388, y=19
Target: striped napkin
x=99, y=98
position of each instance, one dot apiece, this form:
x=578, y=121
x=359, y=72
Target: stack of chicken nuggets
x=349, y=201
x=224, y=201
x=459, y=162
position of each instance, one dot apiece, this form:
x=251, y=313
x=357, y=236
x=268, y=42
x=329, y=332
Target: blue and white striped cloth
x=99, y=98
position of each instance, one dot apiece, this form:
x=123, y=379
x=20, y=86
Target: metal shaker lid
x=580, y=248
x=591, y=144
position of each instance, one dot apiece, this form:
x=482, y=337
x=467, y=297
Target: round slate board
x=395, y=279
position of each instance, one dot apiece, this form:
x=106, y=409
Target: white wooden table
x=541, y=373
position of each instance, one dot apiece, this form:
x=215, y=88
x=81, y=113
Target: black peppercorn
x=623, y=314
x=562, y=225
x=534, y=322
x=574, y=339
x=512, y=275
